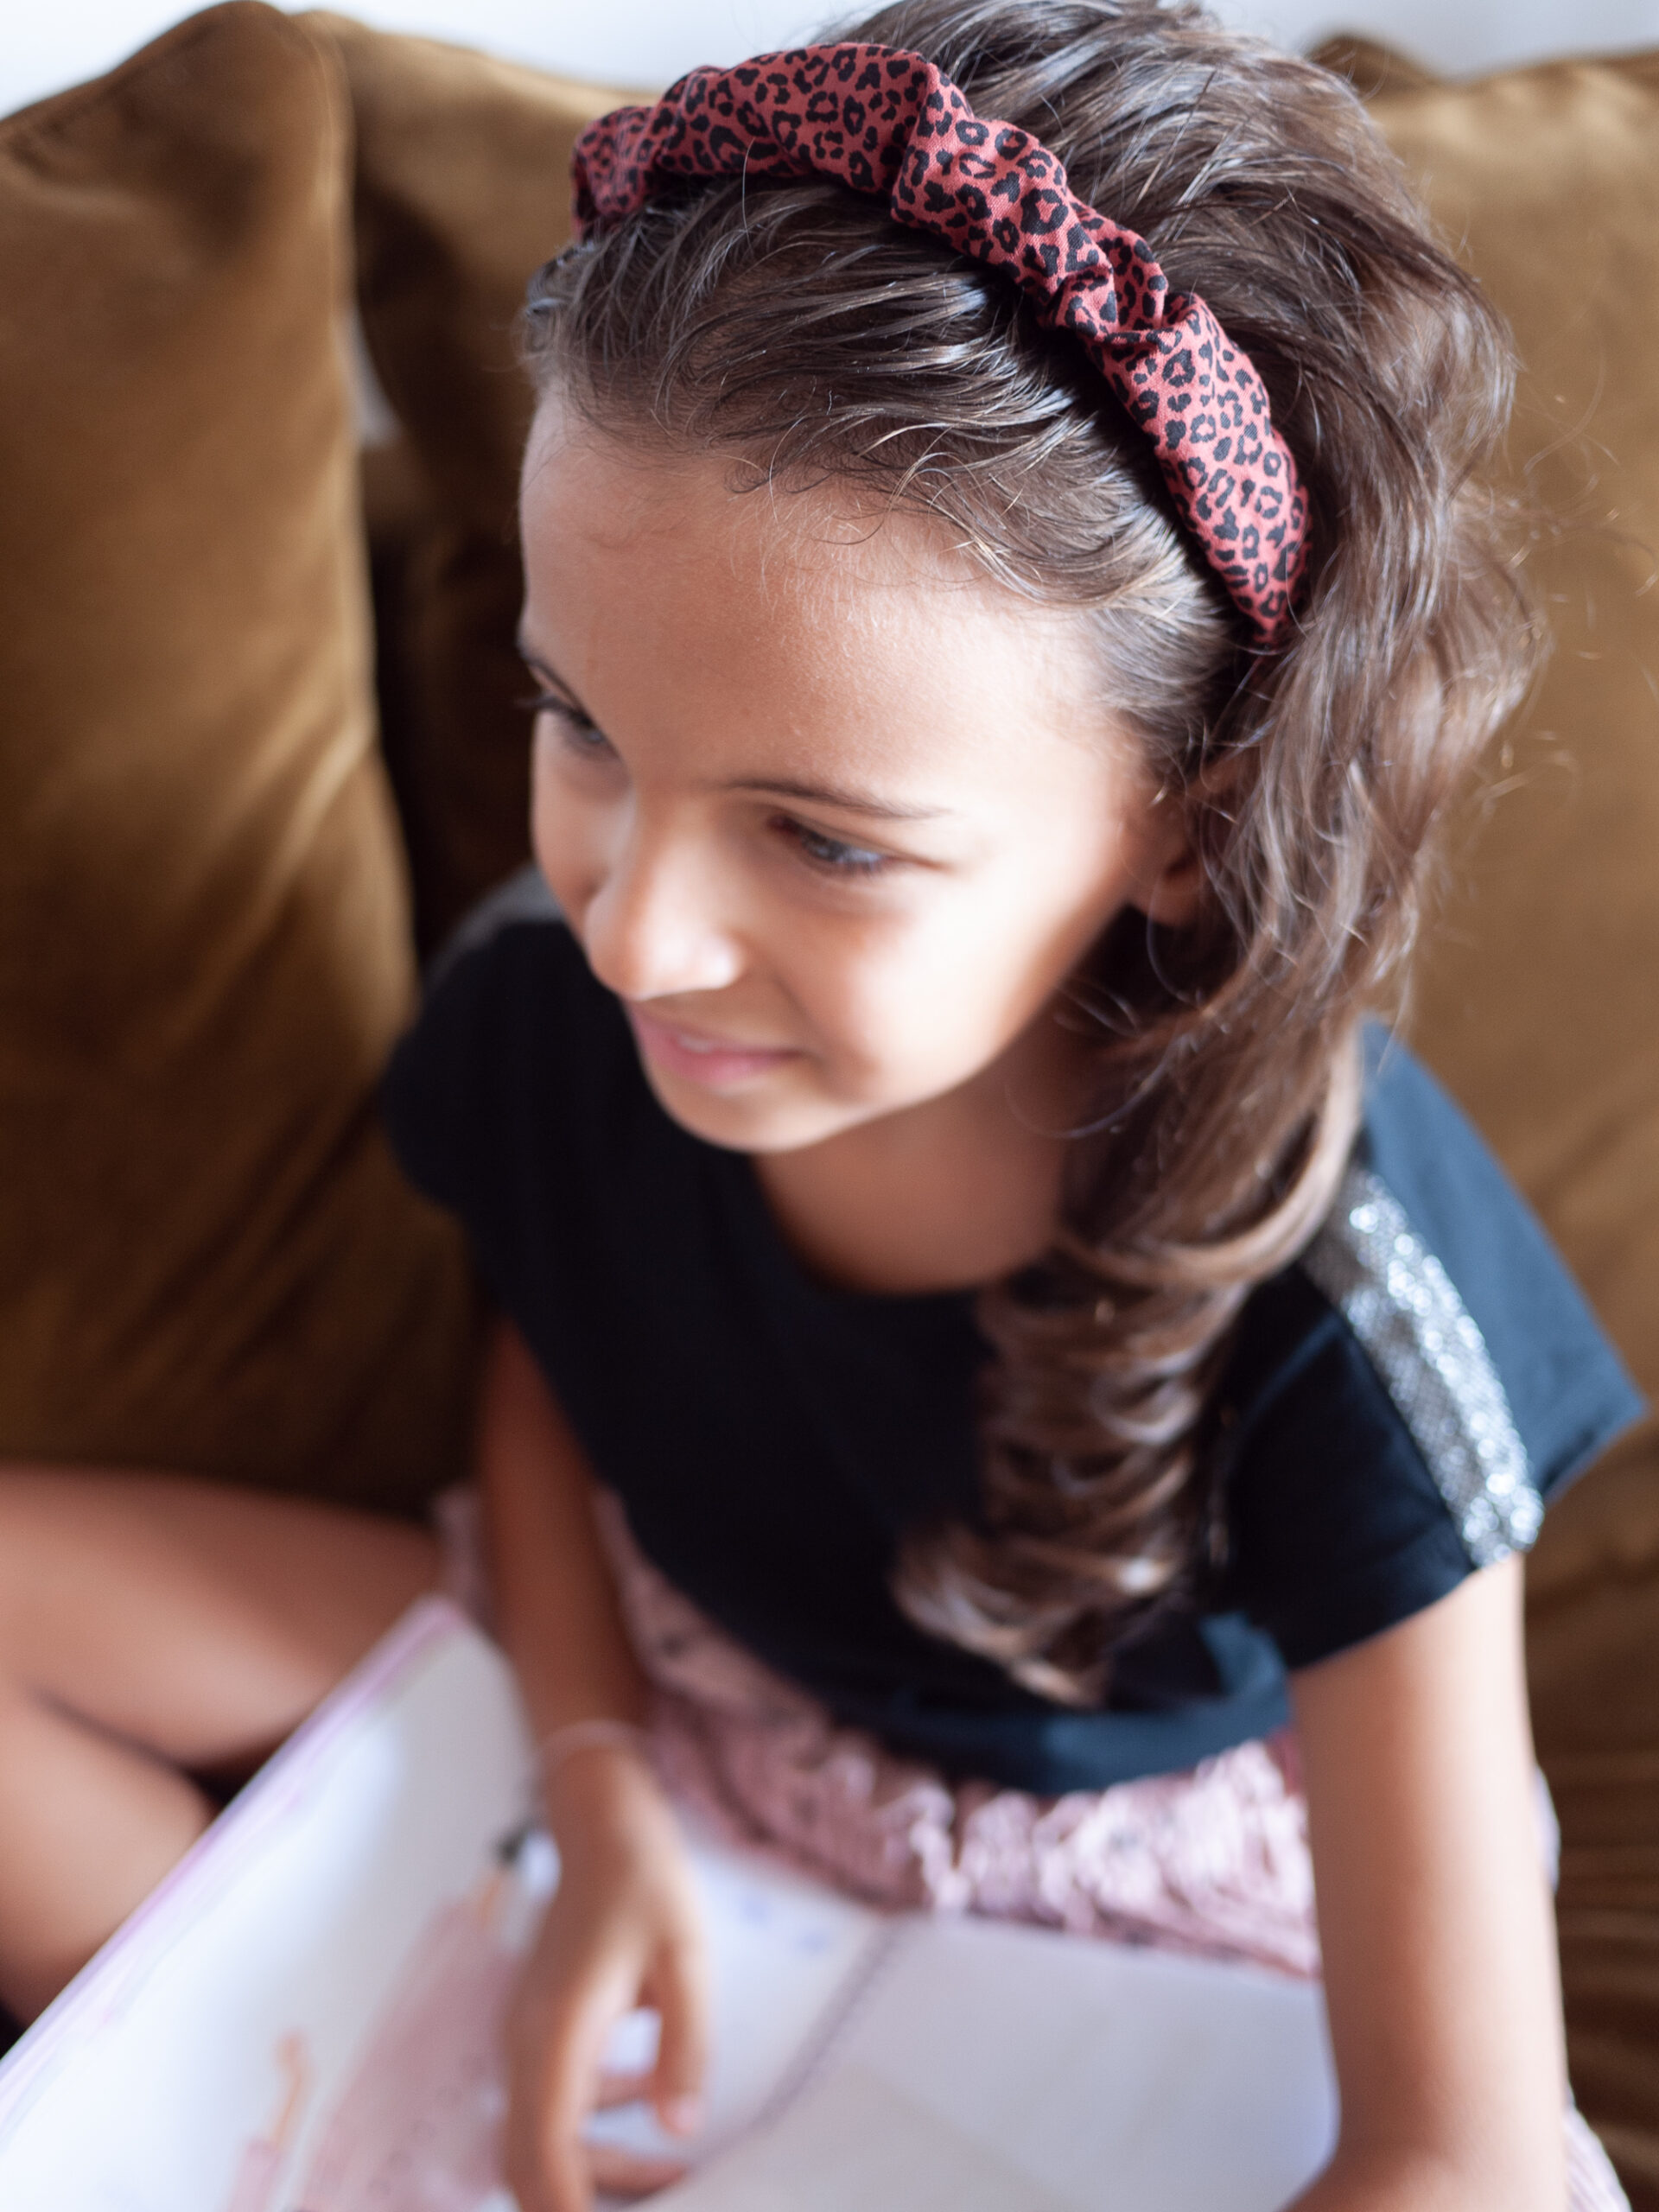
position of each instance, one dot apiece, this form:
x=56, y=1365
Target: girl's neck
x=948, y=1195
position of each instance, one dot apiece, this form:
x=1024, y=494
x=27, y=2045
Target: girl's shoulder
x=515, y=1048
x=1399, y=1405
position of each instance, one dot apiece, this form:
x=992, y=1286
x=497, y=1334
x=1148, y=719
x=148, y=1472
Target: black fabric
x=771, y=1438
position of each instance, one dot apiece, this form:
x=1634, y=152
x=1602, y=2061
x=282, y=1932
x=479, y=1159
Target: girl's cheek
x=893, y=1011
x=567, y=836
x=551, y=858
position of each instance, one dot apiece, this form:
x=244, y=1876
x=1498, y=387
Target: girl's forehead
x=589, y=491
x=726, y=636
x=636, y=548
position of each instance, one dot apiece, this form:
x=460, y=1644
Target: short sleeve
x=475, y=1097
x=1337, y=1528
x=1400, y=1405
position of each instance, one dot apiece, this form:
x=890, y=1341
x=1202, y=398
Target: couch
x=260, y=747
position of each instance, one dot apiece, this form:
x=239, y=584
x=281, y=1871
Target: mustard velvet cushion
x=462, y=192
x=1538, y=1002
x=207, y=1260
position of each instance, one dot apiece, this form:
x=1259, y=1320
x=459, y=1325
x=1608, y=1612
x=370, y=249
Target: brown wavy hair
x=794, y=325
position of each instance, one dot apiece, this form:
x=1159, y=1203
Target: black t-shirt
x=1395, y=1408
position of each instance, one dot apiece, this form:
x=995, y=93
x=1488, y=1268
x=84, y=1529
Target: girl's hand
x=624, y=1930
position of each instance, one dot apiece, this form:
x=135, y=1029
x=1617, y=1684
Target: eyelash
x=829, y=855
x=581, y=734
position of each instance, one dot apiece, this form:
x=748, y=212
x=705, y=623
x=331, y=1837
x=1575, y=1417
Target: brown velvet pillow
x=207, y=1259
x=462, y=192
x=1539, y=1001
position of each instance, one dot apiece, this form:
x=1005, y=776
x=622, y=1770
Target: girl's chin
x=772, y=1113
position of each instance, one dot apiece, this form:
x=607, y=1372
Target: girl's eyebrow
x=851, y=798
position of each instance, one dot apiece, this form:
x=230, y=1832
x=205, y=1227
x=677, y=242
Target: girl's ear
x=1177, y=892
x=1172, y=882
x=1174, y=874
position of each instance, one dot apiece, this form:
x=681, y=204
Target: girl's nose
x=655, y=925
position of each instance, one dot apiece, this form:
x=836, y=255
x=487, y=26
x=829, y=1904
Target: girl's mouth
x=696, y=1055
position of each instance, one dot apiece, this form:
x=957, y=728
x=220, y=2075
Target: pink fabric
x=887, y=123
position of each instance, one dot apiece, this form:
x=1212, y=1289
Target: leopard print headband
x=887, y=123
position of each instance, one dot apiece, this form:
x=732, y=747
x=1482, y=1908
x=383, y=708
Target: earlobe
x=1175, y=897
x=1174, y=881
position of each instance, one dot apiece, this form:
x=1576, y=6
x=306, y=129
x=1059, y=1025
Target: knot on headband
x=887, y=123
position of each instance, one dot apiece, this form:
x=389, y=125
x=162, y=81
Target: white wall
x=44, y=46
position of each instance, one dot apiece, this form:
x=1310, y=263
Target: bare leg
x=151, y=1626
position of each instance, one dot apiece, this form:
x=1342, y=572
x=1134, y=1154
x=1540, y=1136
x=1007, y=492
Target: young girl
x=1008, y=599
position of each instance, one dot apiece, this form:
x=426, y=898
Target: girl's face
x=834, y=816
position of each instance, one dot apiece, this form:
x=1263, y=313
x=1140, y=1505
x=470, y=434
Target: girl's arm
x=623, y=1928
x=1435, y=1915
x=551, y=1585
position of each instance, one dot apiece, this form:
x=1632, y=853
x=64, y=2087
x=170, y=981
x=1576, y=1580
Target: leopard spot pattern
x=887, y=123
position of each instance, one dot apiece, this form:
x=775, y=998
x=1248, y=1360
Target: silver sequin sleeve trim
x=1433, y=1361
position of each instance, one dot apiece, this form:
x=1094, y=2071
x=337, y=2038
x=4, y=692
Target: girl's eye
x=833, y=853
x=579, y=735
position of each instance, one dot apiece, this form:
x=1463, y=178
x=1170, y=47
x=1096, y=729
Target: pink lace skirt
x=1214, y=1861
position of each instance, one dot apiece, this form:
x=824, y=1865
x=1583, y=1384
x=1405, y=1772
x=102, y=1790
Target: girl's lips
x=693, y=1056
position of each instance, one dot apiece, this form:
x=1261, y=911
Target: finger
x=552, y=2097
x=542, y=2158
x=544, y=2176
x=567, y=2097
x=680, y=1985
x=621, y=2089
x=630, y=2173
x=545, y=2160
